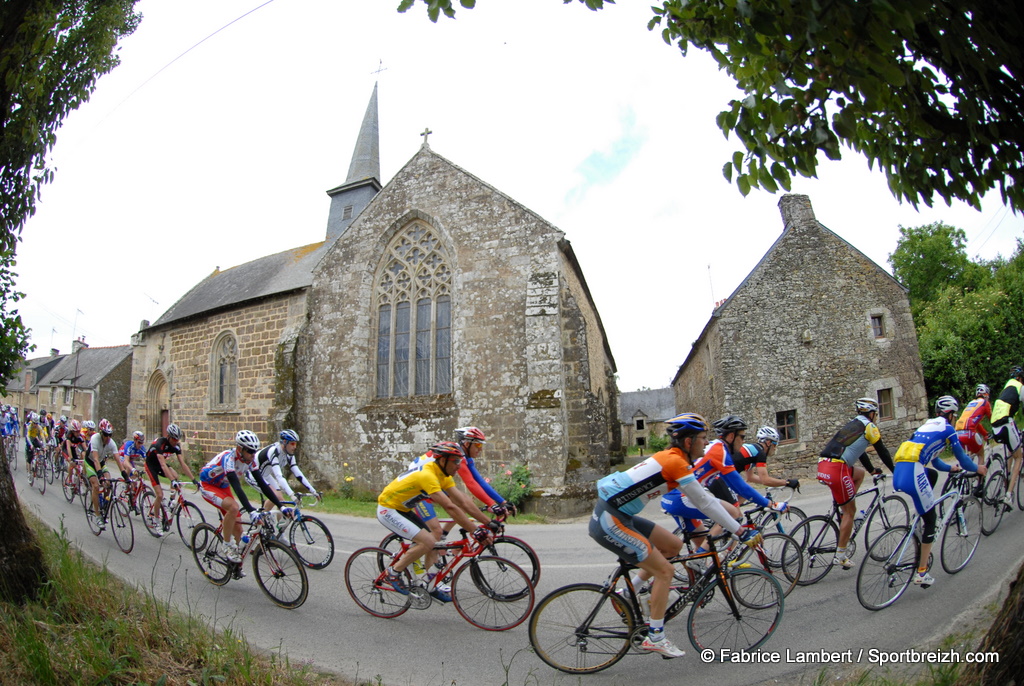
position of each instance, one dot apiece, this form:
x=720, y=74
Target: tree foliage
x=51, y=53
x=967, y=313
x=930, y=91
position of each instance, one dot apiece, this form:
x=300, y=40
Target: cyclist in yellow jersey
x=1004, y=428
x=35, y=437
x=398, y=500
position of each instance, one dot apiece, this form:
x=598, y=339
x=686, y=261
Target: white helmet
x=767, y=433
x=866, y=405
x=248, y=440
x=946, y=403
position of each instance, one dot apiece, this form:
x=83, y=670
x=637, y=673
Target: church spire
x=363, y=182
x=366, y=155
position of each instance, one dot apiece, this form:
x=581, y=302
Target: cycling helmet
x=767, y=433
x=866, y=405
x=89, y=424
x=445, y=449
x=74, y=425
x=471, y=434
x=288, y=436
x=946, y=404
x=106, y=428
x=982, y=390
x=248, y=440
x=138, y=434
x=33, y=417
x=729, y=424
x=63, y=419
x=173, y=431
x=686, y=423
x=1017, y=372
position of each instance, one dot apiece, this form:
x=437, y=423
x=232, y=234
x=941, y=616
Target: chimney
x=78, y=344
x=796, y=210
x=54, y=352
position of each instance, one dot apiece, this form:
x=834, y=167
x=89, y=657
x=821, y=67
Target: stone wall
x=112, y=397
x=265, y=331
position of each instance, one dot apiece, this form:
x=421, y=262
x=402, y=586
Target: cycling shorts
x=405, y=524
x=838, y=476
x=682, y=510
x=625, y=535
x=154, y=471
x=90, y=470
x=971, y=441
x=914, y=479
x=215, y=495
x=1008, y=434
x=720, y=489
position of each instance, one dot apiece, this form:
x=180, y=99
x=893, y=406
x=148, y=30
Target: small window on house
x=224, y=373
x=53, y=395
x=878, y=326
x=68, y=395
x=639, y=425
x=641, y=441
x=786, y=423
x=885, y=406
x=347, y=212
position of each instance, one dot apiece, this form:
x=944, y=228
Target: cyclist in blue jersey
x=913, y=476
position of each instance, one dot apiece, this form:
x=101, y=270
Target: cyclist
x=134, y=448
x=88, y=429
x=102, y=448
x=836, y=467
x=615, y=525
x=158, y=459
x=396, y=510
x=969, y=427
x=72, y=444
x=60, y=429
x=219, y=479
x=1005, y=430
x=914, y=477
x=471, y=440
x=269, y=461
x=35, y=436
x=753, y=460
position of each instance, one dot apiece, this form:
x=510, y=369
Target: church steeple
x=363, y=181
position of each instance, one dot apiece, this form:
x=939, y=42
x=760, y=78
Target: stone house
x=814, y=326
x=434, y=301
x=642, y=414
x=90, y=383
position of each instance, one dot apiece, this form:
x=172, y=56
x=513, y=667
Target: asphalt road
x=436, y=647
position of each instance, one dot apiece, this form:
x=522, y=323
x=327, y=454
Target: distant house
x=642, y=414
x=814, y=326
x=90, y=383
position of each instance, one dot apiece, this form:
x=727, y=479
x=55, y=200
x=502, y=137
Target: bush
x=514, y=483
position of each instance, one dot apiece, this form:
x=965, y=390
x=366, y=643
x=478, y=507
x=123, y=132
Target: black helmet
x=1017, y=372
x=728, y=424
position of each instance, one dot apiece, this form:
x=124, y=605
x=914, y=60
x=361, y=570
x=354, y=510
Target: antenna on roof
x=710, y=281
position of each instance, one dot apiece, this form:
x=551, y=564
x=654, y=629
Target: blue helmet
x=687, y=423
x=287, y=436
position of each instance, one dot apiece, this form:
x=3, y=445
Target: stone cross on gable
x=426, y=132
x=380, y=68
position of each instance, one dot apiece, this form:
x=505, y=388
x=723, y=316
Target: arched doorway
x=158, y=406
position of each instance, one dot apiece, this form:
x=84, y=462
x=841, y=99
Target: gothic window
x=224, y=373
x=412, y=294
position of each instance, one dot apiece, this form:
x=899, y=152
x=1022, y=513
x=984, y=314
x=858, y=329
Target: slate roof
x=89, y=365
x=658, y=405
x=271, y=275
x=40, y=365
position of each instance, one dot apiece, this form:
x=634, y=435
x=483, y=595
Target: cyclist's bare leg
x=94, y=484
x=665, y=545
x=422, y=544
x=1014, y=469
x=716, y=530
x=668, y=547
x=232, y=522
x=849, y=510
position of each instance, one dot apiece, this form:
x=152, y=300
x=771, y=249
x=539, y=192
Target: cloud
x=602, y=167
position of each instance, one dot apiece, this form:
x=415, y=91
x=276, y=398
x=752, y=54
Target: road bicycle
x=75, y=484
x=54, y=460
x=308, y=536
x=584, y=628
x=113, y=511
x=766, y=518
x=892, y=560
x=11, y=451
x=509, y=547
x=489, y=592
x=37, y=471
x=158, y=516
x=996, y=484
x=818, y=535
x=134, y=490
x=279, y=572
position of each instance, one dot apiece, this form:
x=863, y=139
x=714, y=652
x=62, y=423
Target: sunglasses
x=248, y=451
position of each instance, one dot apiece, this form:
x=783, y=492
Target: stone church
x=433, y=302
x=814, y=326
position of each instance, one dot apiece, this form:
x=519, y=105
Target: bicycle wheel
x=519, y=551
x=49, y=468
x=188, y=517
x=207, y=552
x=581, y=629
x=312, y=542
x=716, y=625
x=892, y=511
x=992, y=510
x=70, y=486
x=280, y=574
x=819, y=538
x=962, y=534
x=779, y=555
x=496, y=595
x=1020, y=491
x=364, y=580
x=154, y=523
x=887, y=568
x=90, y=516
x=121, y=525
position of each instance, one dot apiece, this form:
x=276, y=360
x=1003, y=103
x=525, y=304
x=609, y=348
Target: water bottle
x=859, y=519
x=103, y=502
x=245, y=539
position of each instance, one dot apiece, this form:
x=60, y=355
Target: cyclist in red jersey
x=969, y=427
